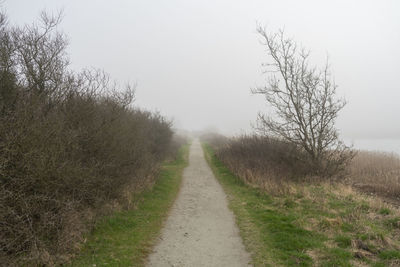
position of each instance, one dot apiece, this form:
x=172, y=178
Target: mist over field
x=195, y=61
x=199, y=133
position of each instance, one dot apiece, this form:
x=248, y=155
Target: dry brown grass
x=376, y=173
x=338, y=206
x=341, y=225
x=264, y=162
x=274, y=165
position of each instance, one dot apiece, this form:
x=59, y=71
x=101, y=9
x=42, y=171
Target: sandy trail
x=200, y=230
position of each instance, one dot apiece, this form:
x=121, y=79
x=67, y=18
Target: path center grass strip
x=126, y=238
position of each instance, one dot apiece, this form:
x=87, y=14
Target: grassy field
x=126, y=237
x=312, y=225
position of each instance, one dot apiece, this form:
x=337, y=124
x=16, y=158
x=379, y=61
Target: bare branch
x=303, y=98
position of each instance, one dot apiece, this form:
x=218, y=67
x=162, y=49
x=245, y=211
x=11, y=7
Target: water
x=386, y=145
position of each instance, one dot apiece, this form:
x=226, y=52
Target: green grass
x=343, y=241
x=312, y=226
x=384, y=211
x=125, y=238
x=389, y=254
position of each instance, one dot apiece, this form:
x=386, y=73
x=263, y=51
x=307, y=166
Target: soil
x=200, y=230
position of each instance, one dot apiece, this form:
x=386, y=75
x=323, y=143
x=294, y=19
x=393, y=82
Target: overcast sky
x=195, y=61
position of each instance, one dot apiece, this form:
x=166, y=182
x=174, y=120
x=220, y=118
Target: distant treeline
x=72, y=147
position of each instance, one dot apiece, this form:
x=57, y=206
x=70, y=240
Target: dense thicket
x=260, y=158
x=263, y=161
x=71, y=145
x=275, y=165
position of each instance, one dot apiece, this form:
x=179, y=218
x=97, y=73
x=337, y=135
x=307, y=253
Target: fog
x=195, y=61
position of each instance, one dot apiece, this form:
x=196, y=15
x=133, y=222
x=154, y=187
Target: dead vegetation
x=304, y=105
x=376, y=173
x=72, y=146
x=350, y=228
x=263, y=161
x=268, y=162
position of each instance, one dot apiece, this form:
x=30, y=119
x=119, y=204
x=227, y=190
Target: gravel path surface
x=200, y=230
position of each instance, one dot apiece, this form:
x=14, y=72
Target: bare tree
x=7, y=65
x=304, y=102
x=41, y=55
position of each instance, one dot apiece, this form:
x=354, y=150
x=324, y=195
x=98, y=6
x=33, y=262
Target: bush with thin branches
x=304, y=102
x=72, y=146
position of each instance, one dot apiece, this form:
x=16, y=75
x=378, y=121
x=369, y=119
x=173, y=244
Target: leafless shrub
x=215, y=140
x=7, y=68
x=70, y=145
x=305, y=104
x=177, y=142
x=41, y=55
x=274, y=165
x=262, y=161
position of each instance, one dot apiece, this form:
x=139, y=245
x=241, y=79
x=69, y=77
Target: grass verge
x=126, y=237
x=312, y=225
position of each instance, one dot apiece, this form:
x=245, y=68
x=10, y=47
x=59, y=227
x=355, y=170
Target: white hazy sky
x=195, y=61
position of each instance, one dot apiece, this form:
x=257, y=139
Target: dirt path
x=200, y=230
